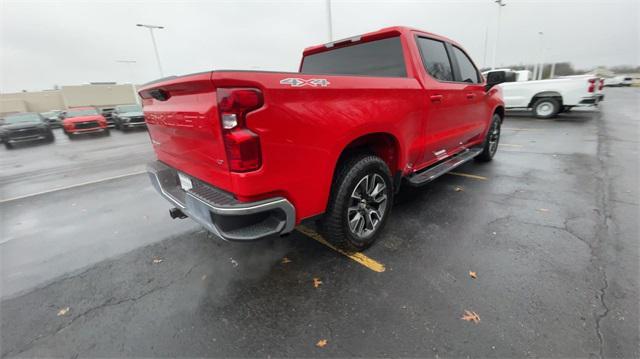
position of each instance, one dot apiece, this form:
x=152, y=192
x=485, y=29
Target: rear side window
x=468, y=72
x=435, y=59
x=376, y=58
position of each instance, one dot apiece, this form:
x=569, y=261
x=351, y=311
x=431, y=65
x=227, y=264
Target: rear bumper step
x=219, y=212
x=431, y=173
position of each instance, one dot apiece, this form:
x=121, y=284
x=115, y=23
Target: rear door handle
x=436, y=98
x=470, y=95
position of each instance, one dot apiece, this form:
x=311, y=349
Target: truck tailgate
x=184, y=127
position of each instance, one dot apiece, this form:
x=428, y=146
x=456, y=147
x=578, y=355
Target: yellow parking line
x=356, y=256
x=510, y=145
x=468, y=175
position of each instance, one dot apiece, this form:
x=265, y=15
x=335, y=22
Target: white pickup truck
x=547, y=98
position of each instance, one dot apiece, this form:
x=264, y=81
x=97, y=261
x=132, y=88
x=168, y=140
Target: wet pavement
x=550, y=227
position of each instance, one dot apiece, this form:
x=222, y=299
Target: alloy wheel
x=367, y=206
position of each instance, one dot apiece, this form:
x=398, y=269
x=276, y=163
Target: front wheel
x=490, y=146
x=360, y=203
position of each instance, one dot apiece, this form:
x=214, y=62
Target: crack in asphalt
x=602, y=227
x=604, y=190
x=106, y=304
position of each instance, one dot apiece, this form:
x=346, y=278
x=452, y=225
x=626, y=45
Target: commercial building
x=94, y=94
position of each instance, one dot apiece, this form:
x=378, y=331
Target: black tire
x=335, y=223
x=69, y=134
x=491, y=141
x=546, y=107
x=107, y=132
x=50, y=137
x=8, y=146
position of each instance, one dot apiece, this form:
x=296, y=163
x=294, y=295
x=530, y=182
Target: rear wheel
x=107, y=132
x=546, y=107
x=490, y=146
x=360, y=203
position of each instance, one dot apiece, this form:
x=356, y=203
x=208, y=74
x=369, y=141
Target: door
x=444, y=115
x=474, y=107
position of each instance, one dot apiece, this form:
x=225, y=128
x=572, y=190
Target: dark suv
x=128, y=116
x=24, y=127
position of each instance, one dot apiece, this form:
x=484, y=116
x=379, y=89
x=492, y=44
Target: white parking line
x=71, y=186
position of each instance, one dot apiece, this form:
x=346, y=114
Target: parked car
x=249, y=154
x=126, y=117
x=547, y=98
x=627, y=81
x=81, y=120
x=25, y=127
x=53, y=118
x=618, y=81
x=107, y=113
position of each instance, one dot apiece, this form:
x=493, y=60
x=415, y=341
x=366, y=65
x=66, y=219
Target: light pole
x=495, y=46
x=153, y=40
x=129, y=64
x=486, y=38
x=541, y=71
x=329, y=21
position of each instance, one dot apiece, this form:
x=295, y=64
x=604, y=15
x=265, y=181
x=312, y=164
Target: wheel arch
x=500, y=111
x=382, y=144
x=544, y=94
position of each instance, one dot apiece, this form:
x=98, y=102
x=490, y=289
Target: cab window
x=435, y=59
x=468, y=72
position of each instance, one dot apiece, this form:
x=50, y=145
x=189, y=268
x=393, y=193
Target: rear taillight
x=241, y=144
x=592, y=85
x=601, y=86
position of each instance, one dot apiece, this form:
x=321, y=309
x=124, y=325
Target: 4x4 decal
x=297, y=82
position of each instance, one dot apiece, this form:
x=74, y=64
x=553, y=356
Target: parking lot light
x=155, y=46
x=495, y=46
x=129, y=64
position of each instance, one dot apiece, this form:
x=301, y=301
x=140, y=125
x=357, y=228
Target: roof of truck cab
x=375, y=35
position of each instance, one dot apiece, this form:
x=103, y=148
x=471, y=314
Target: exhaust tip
x=177, y=213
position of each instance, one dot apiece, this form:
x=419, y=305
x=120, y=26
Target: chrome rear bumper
x=219, y=212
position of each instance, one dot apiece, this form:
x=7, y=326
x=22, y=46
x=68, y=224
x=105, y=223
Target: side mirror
x=495, y=78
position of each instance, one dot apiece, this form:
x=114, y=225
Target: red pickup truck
x=250, y=154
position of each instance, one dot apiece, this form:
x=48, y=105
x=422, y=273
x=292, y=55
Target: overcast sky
x=47, y=43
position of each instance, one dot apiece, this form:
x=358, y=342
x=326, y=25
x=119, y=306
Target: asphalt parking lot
x=93, y=266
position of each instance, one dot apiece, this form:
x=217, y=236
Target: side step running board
x=431, y=173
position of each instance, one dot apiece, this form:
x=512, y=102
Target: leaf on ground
x=234, y=262
x=321, y=343
x=473, y=275
x=204, y=276
x=471, y=316
x=543, y=209
x=458, y=189
x=157, y=260
x=64, y=311
x=317, y=282
x=285, y=260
